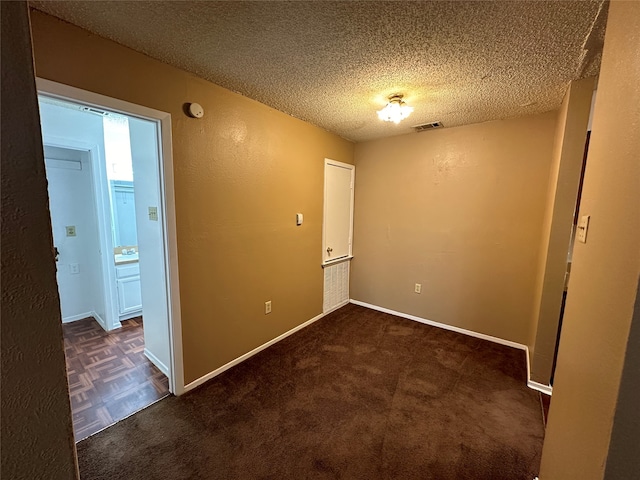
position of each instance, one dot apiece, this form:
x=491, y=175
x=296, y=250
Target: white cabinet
x=129, y=295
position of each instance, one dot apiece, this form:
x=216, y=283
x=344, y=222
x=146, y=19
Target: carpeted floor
x=357, y=395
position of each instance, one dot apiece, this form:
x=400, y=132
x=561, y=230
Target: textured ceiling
x=334, y=64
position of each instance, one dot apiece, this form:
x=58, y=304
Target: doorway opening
x=113, y=225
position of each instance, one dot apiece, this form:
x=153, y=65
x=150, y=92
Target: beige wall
x=241, y=175
x=460, y=211
x=604, y=277
x=37, y=437
x=566, y=168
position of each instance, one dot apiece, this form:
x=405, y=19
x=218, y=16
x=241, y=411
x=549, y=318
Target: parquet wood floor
x=109, y=376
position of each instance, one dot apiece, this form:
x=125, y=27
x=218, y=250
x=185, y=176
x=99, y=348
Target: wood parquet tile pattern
x=109, y=376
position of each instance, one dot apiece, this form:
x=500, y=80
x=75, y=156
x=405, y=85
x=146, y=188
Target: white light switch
x=299, y=219
x=153, y=214
x=583, y=226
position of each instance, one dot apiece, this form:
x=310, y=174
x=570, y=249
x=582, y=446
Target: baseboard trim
x=242, y=358
x=444, y=326
x=99, y=319
x=80, y=316
x=156, y=361
x=547, y=389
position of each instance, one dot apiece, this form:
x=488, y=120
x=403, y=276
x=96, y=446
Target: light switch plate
x=583, y=226
x=71, y=230
x=153, y=213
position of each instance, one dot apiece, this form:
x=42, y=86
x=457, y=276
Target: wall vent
x=336, y=285
x=427, y=126
x=97, y=111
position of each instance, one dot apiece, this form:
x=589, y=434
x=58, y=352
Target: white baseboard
x=99, y=319
x=80, y=316
x=156, y=361
x=444, y=326
x=547, y=389
x=129, y=316
x=250, y=354
x=540, y=387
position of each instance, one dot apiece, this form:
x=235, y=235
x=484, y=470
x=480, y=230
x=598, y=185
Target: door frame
x=167, y=194
x=99, y=206
x=328, y=162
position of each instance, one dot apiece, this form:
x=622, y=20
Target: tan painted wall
x=37, y=437
x=623, y=460
x=605, y=270
x=460, y=211
x=241, y=175
x=568, y=154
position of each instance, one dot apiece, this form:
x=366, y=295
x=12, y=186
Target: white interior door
x=151, y=248
x=338, y=210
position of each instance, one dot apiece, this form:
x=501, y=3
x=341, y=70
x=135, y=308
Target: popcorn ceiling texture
x=334, y=64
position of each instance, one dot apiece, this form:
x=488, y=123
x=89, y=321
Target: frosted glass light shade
x=395, y=111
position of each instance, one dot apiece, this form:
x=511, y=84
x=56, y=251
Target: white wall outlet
x=418, y=288
x=267, y=307
x=71, y=230
x=74, y=268
x=583, y=226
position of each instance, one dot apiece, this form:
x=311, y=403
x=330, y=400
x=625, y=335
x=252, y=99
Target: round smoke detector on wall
x=195, y=110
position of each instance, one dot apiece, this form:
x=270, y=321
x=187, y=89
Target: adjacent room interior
x=357, y=298
x=114, y=357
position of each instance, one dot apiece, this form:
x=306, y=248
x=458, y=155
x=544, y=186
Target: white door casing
x=170, y=258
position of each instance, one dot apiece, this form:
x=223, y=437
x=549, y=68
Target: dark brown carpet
x=357, y=395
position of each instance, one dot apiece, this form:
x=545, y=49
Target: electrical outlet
x=74, y=268
x=71, y=230
x=418, y=288
x=267, y=307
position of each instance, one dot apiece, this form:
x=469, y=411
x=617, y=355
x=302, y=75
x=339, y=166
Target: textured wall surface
x=37, y=438
x=566, y=169
x=241, y=174
x=604, y=276
x=459, y=211
x=334, y=63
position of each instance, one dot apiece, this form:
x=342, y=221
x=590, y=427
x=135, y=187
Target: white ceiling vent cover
x=427, y=126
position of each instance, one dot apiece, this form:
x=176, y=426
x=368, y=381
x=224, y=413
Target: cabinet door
x=129, y=298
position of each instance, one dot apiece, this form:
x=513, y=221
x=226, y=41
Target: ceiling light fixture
x=396, y=110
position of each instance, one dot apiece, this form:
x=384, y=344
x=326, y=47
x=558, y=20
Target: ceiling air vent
x=427, y=126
